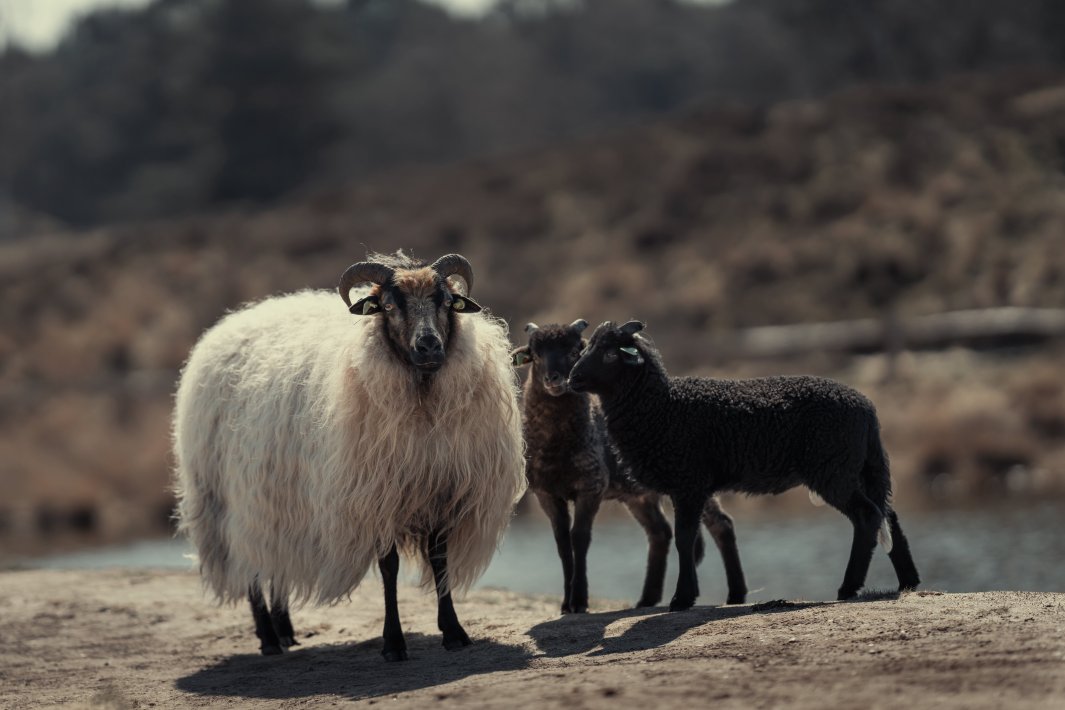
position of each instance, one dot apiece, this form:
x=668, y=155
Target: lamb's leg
x=269, y=644
x=866, y=519
x=687, y=513
x=395, y=647
x=901, y=559
x=584, y=510
x=280, y=618
x=722, y=529
x=446, y=619
x=558, y=513
x=648, y=514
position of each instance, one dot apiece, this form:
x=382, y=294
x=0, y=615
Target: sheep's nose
x=428, y=344
x=554, y=379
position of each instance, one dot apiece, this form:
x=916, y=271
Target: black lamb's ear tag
x=366, y=306
x=631, y=356
x=520, y=357
x=464, y=304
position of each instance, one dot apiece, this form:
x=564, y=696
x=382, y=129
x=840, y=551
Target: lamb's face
x=417, y=307
x=611, y=357
x=552, y=351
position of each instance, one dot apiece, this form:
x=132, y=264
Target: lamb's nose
x=554, y=379
x=428, y=344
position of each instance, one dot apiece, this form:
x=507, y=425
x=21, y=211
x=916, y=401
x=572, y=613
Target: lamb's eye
x=610, y=356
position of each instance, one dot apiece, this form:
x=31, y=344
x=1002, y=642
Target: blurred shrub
x=189, y=104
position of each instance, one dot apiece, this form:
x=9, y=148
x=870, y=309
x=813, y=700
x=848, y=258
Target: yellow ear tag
x=459, y=304
x=368, y=306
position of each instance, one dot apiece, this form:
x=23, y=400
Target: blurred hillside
x=919, y=199
x=188, y=105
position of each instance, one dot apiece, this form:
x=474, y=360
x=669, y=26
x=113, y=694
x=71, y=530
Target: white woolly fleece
x=305, y=450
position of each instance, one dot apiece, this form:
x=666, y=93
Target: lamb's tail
x=876, y=483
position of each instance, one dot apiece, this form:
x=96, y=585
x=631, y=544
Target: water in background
x=794, y=558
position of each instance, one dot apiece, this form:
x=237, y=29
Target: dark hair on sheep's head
x=416, y=302
x=613, y=355
x=552, y=351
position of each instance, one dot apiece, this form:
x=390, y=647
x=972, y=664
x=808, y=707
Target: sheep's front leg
x=557, y=512
x=269, y=644
x=446, y=619
x=395, y=648
x=584, y=510
x=648, y=513
x=721, y=527
x=687, y=517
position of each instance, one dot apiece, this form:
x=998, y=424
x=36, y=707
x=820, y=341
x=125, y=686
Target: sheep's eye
x=610, y=356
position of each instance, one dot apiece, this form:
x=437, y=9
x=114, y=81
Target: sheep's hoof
x=394, y=655
x=454, y=642
x=737, y=598
x=289, y=641
x=270, y=650
x=845, y=594
x=679, y=604
x=566, y=608
x=645, y=603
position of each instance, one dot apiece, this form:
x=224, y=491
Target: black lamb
x=570, y=459
x=690, y=437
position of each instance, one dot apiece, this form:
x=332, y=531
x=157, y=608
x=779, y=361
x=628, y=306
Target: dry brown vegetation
x=920, y=199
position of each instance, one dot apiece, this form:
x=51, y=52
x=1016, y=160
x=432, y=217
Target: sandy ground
x=151, y=639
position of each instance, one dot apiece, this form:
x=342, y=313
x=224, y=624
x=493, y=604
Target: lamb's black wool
x=570, y=459
x=692, y=437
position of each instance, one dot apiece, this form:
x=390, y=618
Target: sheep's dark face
x=612, y=356
x=552, y=351
x=418, y=307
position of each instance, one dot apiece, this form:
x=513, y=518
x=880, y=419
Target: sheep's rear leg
x=395, y=647
x=446, y=619
x=280, y=618
x=269, y=644
x=866, y=519
x=688, y=512
x=649, y=515
x=584, y=510
x=557, y=512
x=722, y=529
x=900, y=556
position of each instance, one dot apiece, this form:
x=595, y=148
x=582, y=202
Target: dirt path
x=136, y=639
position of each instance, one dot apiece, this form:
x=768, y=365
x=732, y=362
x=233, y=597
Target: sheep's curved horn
x=455, y=265
x=632, y=327
x=579, y=325
x=360, y=273
x=531, y=327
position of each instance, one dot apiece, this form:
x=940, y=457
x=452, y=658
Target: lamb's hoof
x=394, y=654
x=578, y=609
x=453, y=642
x=679, y=604
x=567, y=608
x=270, y=650
x=845, y=594
x=289, y=641
x=645, y=603
x=737, y=598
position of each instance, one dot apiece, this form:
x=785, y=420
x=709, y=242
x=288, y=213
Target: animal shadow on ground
x=354, y=671
x=581, y=633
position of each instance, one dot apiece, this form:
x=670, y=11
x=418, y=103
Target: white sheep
x=311, y=443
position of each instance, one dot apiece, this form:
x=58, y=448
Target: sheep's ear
x=520, y=356
x=464, y=304
x=632, y=327
x=366, y=306
x=579, y=325
x=631, y=356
